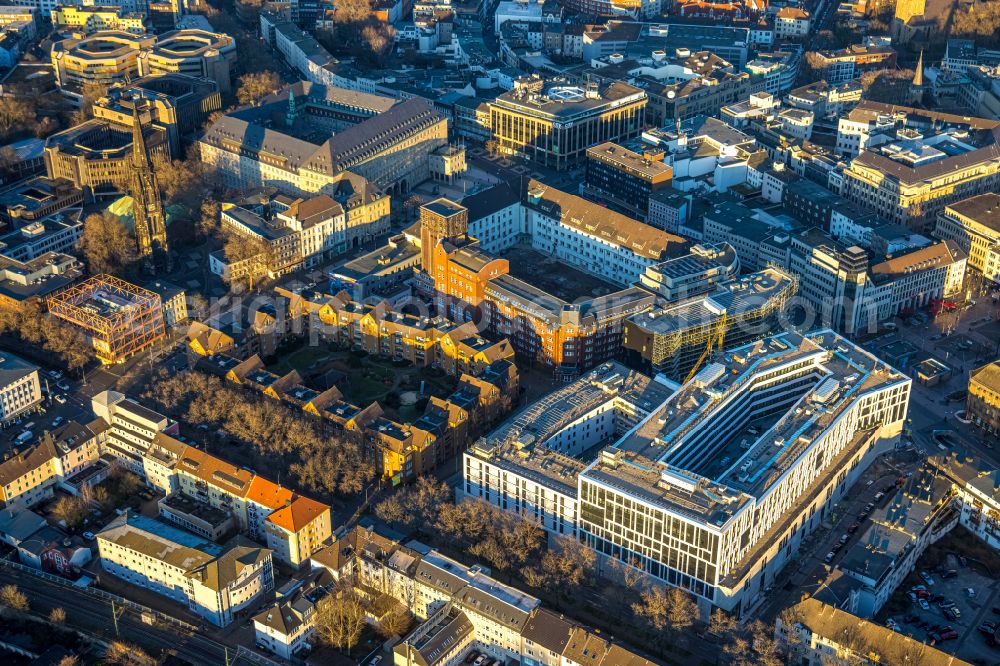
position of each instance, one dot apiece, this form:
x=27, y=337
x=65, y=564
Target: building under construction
x=678, y=338
x=120, y=318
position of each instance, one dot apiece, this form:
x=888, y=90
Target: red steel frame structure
x=119, y=334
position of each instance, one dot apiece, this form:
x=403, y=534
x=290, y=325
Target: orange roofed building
x=291, y=525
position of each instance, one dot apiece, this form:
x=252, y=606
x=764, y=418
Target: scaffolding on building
x=120, y=318
x=679, y=352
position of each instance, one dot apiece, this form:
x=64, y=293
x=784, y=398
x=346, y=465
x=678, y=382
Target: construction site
x=677, y=339
x=120, y=318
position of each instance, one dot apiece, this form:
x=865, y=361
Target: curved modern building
x=193, y=52
x=114, y=56
x=104, y=58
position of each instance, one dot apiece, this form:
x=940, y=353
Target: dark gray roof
x=13, y=368
x=491, y=200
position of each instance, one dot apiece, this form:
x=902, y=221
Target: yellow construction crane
x=716, y=339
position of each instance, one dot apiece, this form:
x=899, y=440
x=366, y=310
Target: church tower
x=147, y=206
x=917, y=85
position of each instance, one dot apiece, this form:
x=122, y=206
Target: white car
x=923, y=604
x=61, y=399
x=89, y=536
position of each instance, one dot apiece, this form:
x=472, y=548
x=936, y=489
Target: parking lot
x=950, y=601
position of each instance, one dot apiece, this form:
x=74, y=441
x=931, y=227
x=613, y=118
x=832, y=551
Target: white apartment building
x=791, y=23
x=213, y=581
x=689, y=495
x=292, y=526
x=20, y=388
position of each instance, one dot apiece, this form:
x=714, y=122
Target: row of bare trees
x=320, y=460
x=32, y=327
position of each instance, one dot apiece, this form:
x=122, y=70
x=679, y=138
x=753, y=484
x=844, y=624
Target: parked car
x=829, y=557
x=844, y=538
x=57, y=421
x=949, y=635
x=935, y=598
x=947, y=603
x=950, y=573
x=879, y=495
x=970, y=592
x=923, y=604
x=952, y=614
x=471, y=657
x=988, y=628
x=89, y=536
x=60, y=398
x=63, y=386
x=853, y=528
x=927, y=577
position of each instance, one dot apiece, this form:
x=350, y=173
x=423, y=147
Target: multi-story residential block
x=681, y=87
x=554, y=123
x=974, y=224
x=215, y=582
x=791, y=23
x=98, y=18
x=299, y=232
x=920, y=513
x=687, y=495
x=825, y=99
x=32, y=475
x=983, y=401
x=622, y=179
x=460, y=608
x=671, y=337
x=20, y=389
x=292, y=526
x=287, y=627
x=389, y=144
x=912, y=163
x=823, y=633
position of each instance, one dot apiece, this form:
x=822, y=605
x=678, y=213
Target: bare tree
x=126, y=654
x=254, y=86
x=654, y=607
x=57, y=615
x=70, y=510
x=682, y=610
x=14, y=598
x=17, y=115
x=721, y=623
x=106, y=246
x=396, y=622
x=340, y=618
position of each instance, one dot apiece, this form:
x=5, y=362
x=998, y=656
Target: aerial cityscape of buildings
x=500, y=332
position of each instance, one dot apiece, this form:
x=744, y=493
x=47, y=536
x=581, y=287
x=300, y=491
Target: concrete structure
x=98, y=18
x=725, y=515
